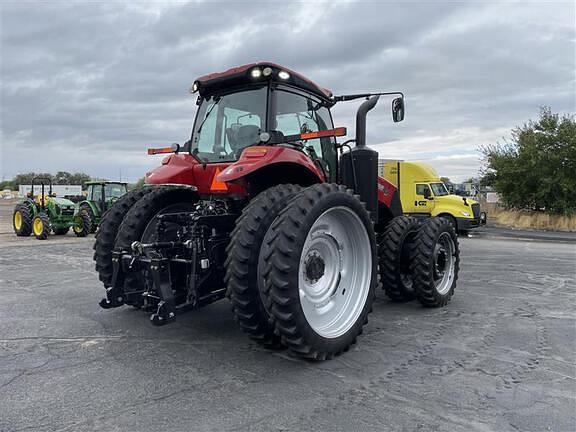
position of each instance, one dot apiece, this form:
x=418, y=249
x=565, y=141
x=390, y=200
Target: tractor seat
x=247, y=135
x=42, y=198
x=232, y=134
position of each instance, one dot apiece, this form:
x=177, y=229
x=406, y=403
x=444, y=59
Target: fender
x=257, y=157
x=388, y=195
x=32, y=206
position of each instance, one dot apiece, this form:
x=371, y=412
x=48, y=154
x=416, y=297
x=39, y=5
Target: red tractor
x=263, y=205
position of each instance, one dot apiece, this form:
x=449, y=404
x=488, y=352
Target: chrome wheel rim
x=335, y=272
x=444, y=263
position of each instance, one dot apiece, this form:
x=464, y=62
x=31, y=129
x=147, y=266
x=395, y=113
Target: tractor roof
x=239, y=75
x=105, y=182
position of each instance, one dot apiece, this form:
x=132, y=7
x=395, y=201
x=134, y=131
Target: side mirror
x=398, y=109
x=427, y=193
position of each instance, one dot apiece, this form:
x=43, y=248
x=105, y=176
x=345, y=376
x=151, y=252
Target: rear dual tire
x=436, y=262
x=419, y=260
x=395, y=254
x=318, y=263
x=108, y=230
x=241, y=278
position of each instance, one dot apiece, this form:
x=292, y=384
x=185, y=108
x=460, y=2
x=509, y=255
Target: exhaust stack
x=359, y=166
x=361, y=120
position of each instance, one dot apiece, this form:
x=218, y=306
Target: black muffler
x=359, y=166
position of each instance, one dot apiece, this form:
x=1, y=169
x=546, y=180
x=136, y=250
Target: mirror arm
x=344, y=98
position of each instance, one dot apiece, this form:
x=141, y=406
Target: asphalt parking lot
x=500, y=357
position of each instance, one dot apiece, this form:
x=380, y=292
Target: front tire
x=320, y=269
x=395, y=255
x=436, y=262
x=82, y=224
x=86, y=208
x=41, y=226
x=242, y=276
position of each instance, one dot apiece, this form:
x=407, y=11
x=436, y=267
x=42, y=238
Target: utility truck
x=423, y=194
x=262, y=205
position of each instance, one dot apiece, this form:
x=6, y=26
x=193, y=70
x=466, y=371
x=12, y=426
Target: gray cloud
x=90, y=86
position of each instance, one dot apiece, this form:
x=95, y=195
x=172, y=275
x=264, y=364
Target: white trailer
x=59, y=190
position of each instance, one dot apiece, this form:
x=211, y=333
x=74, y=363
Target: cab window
x=439, y=189
x=296, y=114
x=226, y=124
x=422, y=189
x=114, y=190
x=96, y=192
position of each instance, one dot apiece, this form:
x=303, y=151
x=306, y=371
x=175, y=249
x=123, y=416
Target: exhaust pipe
x=361, y=120
x=359, y=166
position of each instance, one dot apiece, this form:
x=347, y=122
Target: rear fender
x=272, y=165
x=32, y=205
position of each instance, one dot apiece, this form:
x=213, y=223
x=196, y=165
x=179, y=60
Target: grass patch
x=528, y=219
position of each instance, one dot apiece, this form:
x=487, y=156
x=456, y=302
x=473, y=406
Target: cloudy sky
x=88, y=86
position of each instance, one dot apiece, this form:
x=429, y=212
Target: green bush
x=536, y=168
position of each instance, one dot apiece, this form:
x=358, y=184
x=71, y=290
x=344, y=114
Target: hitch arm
x=115, y=293
x=160, y=271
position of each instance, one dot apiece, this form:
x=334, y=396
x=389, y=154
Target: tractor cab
x=104, y=194
x=265, y=99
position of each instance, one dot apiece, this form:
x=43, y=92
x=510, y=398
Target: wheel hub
x=314, y=267
x=440, y=261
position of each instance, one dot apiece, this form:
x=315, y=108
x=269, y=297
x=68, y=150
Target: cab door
x=424, y=200
x=97, y=196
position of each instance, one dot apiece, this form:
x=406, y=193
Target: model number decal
x=420, y=203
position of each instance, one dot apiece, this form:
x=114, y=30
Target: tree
x=79, y=178
x=26, y=179
x=536, y=168
x=445, y=180
x=6, y=184
x=61, y=178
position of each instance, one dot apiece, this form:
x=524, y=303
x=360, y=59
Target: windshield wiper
x=216, y=100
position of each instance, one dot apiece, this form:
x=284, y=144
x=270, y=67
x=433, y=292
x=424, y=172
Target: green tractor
x=101, y=196
x=44, y=212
